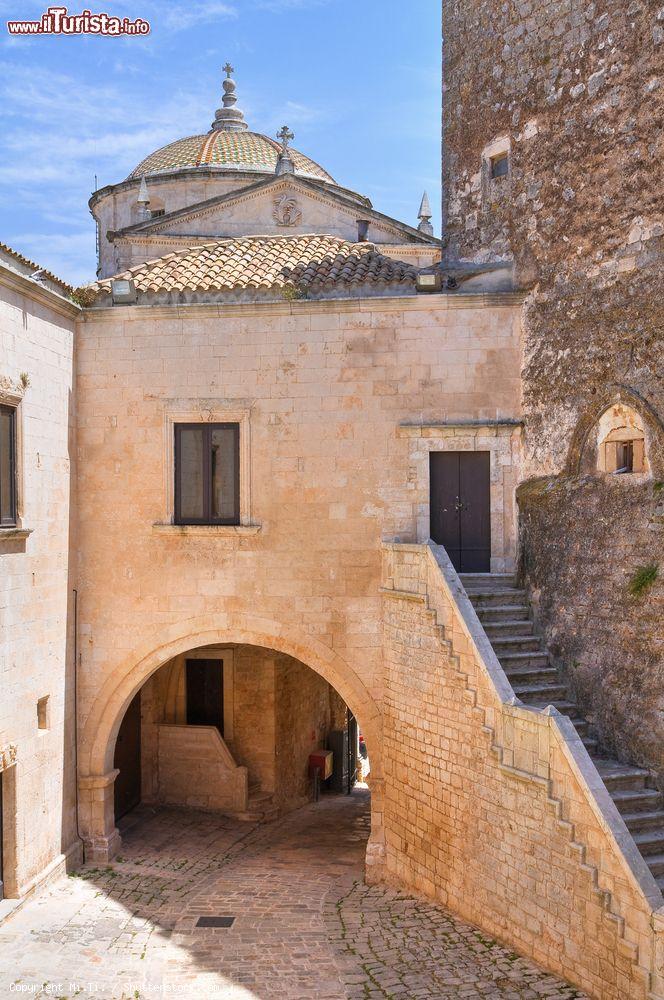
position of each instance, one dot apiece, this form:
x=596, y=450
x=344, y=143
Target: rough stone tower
x=553, y=146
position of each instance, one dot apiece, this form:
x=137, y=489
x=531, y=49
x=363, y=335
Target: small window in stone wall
x=43, y=713
x=621, y=444
x=499, y=166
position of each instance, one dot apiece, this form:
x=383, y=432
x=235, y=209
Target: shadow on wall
x=592, y=559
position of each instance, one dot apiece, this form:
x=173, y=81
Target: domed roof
x=227, y=150
x=229, y=145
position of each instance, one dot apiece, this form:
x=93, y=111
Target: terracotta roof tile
x=267, y=262
x=66, y=288
x=226, y=151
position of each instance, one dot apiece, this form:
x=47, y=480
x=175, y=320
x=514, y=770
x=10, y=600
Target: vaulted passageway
x=234, y=729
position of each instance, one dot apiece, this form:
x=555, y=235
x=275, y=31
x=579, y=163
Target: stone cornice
x=33, y=290
x=443, y=302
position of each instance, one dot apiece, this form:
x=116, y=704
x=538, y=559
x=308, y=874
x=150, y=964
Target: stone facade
x=37, y=583
x=492, y=808
x=573, y=94
x=321, y=391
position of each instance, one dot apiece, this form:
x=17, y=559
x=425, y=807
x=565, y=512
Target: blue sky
x=358, y=81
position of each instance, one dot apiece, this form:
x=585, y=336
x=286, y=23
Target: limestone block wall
x=495, y=809
x=320, y=390
x=196, y=769
x=37, y=580
x=303, y=719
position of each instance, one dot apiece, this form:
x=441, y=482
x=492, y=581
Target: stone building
x=299, y=445
x=37, y=592
x=551, y=154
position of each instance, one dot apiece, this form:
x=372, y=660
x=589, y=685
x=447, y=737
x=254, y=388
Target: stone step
x=488, y=581
x=591, y=744
x=655, y=863
x=516, y=644
x=503, y=613
x=535, y=693
x=620, y=777
x=644, y=822
x=496, y=598
x=582, y=726
x=527, y=676
x=504, y=629
x=638, y=801
x=650, y=842
x=514, y=660
x=568, y=708
x=260, y=807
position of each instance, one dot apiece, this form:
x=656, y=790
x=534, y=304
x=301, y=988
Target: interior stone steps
x=504, y=612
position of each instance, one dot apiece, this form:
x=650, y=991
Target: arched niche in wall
x=619, y=444
x=620, y=435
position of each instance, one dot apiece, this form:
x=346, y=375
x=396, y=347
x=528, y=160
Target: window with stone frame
x=207, y=473
x=7, y=466
x=621, y=444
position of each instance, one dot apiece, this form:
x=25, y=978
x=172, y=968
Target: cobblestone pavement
x=305, y=925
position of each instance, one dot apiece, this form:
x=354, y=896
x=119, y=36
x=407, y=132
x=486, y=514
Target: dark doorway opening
x=127, y=760
x=205, y=693
x=460, y=511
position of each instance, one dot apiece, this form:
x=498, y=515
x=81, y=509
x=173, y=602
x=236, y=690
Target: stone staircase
x=260, y=806
x=504, y=612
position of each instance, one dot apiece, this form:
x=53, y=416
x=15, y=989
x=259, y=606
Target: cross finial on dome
x=229, y=118
x=285, y=135
x=285, y=164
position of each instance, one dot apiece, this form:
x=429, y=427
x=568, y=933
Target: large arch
x=99, y=733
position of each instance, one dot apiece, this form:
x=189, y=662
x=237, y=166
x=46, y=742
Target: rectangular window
x=499, y=165
x=7, y=466
x=207, y=473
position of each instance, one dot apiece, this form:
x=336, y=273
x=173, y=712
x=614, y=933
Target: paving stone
x=306, y=925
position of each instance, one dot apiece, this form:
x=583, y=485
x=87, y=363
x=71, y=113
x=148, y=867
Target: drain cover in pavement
x=215, y=921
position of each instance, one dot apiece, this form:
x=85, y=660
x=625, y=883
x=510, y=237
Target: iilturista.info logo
x=58, y=21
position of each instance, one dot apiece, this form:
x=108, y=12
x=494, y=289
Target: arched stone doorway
x=99, y=734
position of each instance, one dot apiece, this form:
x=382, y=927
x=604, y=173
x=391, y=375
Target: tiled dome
x=226, y=150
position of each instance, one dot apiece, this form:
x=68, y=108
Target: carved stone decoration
x=7, y=756
x=286, y=211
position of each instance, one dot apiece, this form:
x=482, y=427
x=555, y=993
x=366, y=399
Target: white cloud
x=180, y=16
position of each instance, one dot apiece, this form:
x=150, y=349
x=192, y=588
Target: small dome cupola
x=231, y=146
x=229, y=118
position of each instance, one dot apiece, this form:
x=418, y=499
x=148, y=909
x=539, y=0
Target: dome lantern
x=229, y=118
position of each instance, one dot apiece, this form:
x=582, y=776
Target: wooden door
x=460, y=509
x=205, y=693
x=127, y=759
